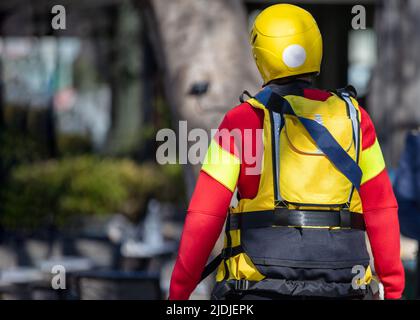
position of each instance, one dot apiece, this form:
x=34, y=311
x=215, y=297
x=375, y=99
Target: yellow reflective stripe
x=221, y=165
x=371, y=162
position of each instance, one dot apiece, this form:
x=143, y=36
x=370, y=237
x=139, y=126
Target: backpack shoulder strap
x=243, y=94
x=349, y=89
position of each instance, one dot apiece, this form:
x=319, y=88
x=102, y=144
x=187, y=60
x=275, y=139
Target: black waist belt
x=297, y=218
x=287, y=218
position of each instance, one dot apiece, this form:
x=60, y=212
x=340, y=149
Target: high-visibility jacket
x=306, y=260
x=302, y=173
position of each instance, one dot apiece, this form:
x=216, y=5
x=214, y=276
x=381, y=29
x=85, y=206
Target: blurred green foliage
x=53, y=192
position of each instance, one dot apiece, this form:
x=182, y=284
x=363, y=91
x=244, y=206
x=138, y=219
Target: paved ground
x=38, y=250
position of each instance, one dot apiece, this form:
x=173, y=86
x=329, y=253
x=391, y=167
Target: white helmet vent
x=294, y=56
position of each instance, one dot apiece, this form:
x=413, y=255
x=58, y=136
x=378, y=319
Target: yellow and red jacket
x=218, y=180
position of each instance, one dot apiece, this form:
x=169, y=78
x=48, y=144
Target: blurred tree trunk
x=125, y=135
x=202, y=42
x=394, y=99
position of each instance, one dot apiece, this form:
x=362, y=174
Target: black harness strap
x=226, y=253
x=297, y=218
x=228, y=246
x=245, y=93
x=211, y=266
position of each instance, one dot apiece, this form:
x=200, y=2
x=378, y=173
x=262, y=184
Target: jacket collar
x=293, y=87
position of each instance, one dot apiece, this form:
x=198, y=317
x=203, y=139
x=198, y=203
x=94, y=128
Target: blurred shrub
x=53, y=192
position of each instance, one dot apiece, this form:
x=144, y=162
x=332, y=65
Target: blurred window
x=34, y=68
x=362, y=58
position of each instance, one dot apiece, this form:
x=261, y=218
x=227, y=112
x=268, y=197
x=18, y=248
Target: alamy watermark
x=58, y=22
x=58, y=280
x=190, y=146
x=358, y=281
x=358, y=22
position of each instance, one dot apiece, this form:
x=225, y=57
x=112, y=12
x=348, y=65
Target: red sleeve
x=205, y=219
x=381, y=216
x=210, y=202
x=203, y=224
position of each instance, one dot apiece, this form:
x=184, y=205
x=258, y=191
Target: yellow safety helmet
x=286, y=41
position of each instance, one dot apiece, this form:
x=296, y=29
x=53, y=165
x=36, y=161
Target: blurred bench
x=116, y=285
